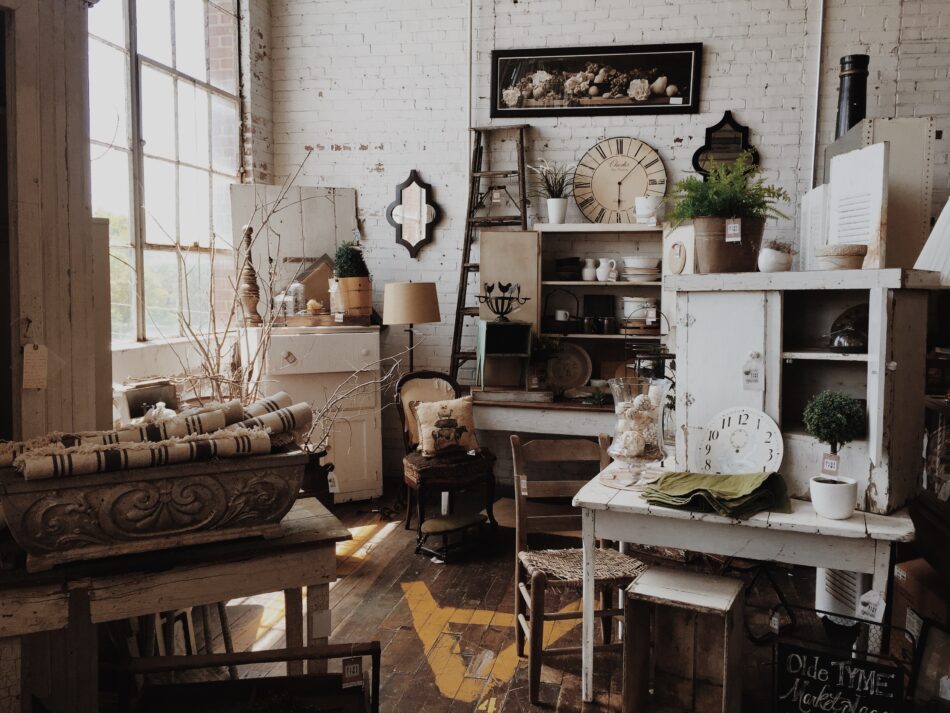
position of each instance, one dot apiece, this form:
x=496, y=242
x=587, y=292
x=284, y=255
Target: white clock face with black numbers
x=739, y=440
x=612, y=175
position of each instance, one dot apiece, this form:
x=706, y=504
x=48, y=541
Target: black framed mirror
x=724, y=142
x=413, y=213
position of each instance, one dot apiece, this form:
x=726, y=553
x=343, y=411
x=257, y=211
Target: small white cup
x=561, y=315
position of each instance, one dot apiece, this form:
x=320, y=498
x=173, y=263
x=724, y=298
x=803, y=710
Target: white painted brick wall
x=380, y=87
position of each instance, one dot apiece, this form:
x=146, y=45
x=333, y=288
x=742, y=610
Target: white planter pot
x=774, y=260
x=833, y=498
x=557, y=209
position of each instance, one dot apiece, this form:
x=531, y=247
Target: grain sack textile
x=271, y=404
x=57, y=461
x=293, y=419
x=155, y=432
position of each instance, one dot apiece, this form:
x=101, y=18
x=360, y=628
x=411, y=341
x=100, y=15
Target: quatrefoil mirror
x=724, y=142
x=413, y=213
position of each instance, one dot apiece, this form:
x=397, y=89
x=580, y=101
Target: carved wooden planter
x=105, y=514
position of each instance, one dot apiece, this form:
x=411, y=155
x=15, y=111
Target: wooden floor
x=447, y=630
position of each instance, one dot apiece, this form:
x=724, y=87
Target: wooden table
x=65, y=604
x=862, y=543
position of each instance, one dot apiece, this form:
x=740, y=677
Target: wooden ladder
x=474, y=222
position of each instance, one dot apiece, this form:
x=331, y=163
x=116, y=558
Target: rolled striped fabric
x=59, y=462
x=233, y=411
x=293, y=419
x=156, y=431
x=10, y=450
x=269, y=405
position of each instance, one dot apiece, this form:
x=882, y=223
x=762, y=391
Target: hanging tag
x=733, y=230
x=331, y=482
x=775, y=623
x=753, y=375
x=35, y=366
x=338, y=318
x=872, y=606
x=524, y=485
x=352, y=672
x=612, y=276
x=829, y=464
x=651, y=315
x=496, y=197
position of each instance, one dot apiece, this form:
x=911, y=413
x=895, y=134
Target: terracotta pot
x=357, y=296
x=714, y=254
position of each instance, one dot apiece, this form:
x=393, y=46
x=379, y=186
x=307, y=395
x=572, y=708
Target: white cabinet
x=316, y=364
x=782, y=322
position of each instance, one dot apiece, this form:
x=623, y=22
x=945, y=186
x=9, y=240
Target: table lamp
x=410, y=303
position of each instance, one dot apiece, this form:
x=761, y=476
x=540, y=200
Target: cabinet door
x=355, y=449
x=712, y=353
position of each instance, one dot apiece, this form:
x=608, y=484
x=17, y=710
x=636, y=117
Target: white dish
x=641, y=262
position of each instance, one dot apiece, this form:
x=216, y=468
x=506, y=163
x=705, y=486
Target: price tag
x=775, y=623
x=331, y=482
x=612, y=276
x=524, y=485
x=35, y=366
x=753, y=375
x=829, y=464
x=338, y=318
x=733, y=230
x=872, y=606
x=676, y=100
x=651, y=315
x=352, y=672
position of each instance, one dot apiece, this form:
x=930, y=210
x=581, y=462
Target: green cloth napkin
x=736, y=496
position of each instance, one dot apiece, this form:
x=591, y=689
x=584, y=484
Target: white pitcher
x=603, y=270
x=589, y=272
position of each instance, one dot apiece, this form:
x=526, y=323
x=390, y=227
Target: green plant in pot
x=836, y=419
x=355, y=287
x=554, y=184
x=731, y=190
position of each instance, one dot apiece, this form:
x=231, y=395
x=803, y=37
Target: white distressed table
x=862, y=543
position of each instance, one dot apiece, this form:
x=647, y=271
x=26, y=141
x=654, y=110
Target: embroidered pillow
x=445, y=426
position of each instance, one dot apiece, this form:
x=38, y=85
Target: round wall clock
x=739, y=440
x=612, y=175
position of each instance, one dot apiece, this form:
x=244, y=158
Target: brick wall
x=379, y=88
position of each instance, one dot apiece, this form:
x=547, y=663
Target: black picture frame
x=681, y=63
x=730, y=131
x=414, y=248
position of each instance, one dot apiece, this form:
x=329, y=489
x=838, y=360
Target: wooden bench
x=687, y=665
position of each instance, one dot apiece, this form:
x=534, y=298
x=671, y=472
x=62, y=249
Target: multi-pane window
x=165, y=131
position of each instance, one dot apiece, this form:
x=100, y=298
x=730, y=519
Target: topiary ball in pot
x=836, y=419
x=356, y=289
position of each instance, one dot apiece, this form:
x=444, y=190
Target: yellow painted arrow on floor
x=444, y=654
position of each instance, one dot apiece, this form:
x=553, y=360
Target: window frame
x=136, y=152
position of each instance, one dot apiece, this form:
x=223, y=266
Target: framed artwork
x=587, y=81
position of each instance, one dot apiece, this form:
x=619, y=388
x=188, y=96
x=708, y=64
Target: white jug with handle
x=603, y=270
x=589, y=272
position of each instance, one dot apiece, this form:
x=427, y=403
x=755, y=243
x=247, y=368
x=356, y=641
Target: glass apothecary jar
x=640, y=404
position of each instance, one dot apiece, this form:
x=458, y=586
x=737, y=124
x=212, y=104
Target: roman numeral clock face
x=612, y=175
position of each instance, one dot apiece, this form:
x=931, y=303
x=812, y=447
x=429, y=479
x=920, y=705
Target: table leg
x=880, y=578
x=587, y=633
x=81, y=676
x=318, y=622
x=293, y=617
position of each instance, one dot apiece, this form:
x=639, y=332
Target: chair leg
x=226, y=635
x=606, y=625
x=490, y=499
x=408, y=507
x=207, y=639
x=520, y=610
x=536, y=635
x=420, y=510
x=188, y=624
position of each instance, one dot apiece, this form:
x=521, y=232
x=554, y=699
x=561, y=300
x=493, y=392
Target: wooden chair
x=451, y=473
x=543, y=504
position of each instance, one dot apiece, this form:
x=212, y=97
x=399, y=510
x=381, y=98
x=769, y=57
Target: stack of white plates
x=638, y=268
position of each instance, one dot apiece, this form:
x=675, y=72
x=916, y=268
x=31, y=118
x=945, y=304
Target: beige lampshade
x=410, y=303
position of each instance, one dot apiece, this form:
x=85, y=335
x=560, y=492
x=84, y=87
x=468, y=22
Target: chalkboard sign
x=811, y=680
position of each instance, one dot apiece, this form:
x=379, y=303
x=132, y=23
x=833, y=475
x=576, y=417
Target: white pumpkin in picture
x=639, y=90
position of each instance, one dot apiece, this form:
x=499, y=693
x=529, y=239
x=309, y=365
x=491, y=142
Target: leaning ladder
x=474, y=222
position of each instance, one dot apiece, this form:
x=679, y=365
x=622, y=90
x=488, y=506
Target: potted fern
x=554, y=181
x=730, y=191
x=356, y=289
x=836, y=419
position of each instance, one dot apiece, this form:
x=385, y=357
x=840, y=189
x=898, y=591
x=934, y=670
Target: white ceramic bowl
x=641, y=262
x=774, y=260
x=833, y=497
